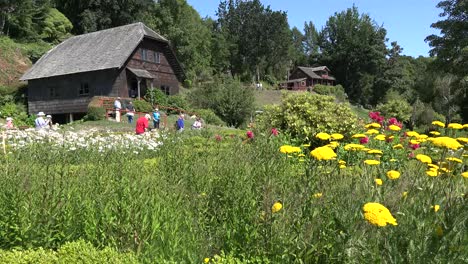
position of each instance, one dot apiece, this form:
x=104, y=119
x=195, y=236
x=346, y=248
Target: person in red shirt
x=142, y=124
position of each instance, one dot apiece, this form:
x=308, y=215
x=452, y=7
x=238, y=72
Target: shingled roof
x=105, y=49
x=311, y=72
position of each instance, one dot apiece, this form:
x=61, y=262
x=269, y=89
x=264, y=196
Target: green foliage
x=177, y=101
x=95, y=113
x=399, y=109
x=74, y=252
x=142, y=106
x=209, y=117
x=303, y=115
x=337, y=91
x=35, y=50
x=56, y=26
x=156, y=97
x=227, y=97
x=17, y=112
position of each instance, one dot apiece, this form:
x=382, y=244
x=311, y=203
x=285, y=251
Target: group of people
x=43, y=123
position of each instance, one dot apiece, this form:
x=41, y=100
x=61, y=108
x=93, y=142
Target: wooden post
x=71, y=117
x=138, y=84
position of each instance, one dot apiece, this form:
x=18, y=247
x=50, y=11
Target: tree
x=55, y=26
x=451, y=47
x=311, y=43
x=353, y=46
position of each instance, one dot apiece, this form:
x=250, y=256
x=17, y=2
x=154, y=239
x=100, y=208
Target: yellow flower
x=378, y=214
x=371, y=132
x=393, y=175
x=438, y=123
x=378, y=181
x=455, y=126
x=435, y=133
x=398, y=146
x=423, y=158
x=393, y=160
x=358, y=136
x=436, y=207
x=446, y=142
x=433, y=166
x=372, y=162
x=404, y=194
x=206, y=260
x=342, y=166
x=353, y=147
x=373, y=125
x=465, y=174
x=276, y=207
x=301, y=155
x=341, y=162
x=422, y=137
x=412, y=133
x=317, y=195
x=465, y=126
x=432, y=172
x=454, y=159
x=323, y=153
x=306, y=145
x=323, y=136
x=286, y=149
x=414, y=142
x=333, y=144
x=380, y=137
x=463, y=140
x=394, y=128
x=375, y=151
x=336, y=136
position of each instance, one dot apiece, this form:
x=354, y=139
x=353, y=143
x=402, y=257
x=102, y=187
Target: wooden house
x=124, y=61
x=305, y=78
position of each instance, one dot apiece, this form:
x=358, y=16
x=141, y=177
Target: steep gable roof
x=310, y=72
x=105, y=49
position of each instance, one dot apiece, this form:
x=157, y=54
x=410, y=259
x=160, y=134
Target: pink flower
x=274, y=132
x=376, y=117
x=394, y=121
x=364, y=140
x=411, y=155
x=250, y=134
x=218, y=138
x=415, y=146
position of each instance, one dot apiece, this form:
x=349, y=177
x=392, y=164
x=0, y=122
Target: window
x=165, y=89
x=53, y=92
x=84, y=89
x=144, y=54
x=157, y=57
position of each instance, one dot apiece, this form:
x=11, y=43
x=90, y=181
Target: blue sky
x=406, y=21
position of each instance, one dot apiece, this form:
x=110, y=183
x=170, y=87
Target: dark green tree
x=353, y=46
x=311, y=43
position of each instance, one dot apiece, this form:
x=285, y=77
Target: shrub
x=337, y=91
x=400, y=109
x=177, y=101
x=74, y=252
x=156, y=97
x=303, y=115
x=95, y=113
x=142, y=106
x=210, y=117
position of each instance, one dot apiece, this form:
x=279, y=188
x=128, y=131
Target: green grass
x=267, y=97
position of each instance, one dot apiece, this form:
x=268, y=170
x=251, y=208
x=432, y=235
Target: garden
x=299, y=186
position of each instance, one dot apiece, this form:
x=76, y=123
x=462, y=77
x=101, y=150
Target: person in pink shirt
x=9, y=123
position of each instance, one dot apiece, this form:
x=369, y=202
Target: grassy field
x=267, y=97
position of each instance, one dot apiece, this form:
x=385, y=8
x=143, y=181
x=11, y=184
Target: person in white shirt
x=197, y=124
x=117, y=107
x=40, y=122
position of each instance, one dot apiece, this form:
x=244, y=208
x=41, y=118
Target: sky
x=407, y=21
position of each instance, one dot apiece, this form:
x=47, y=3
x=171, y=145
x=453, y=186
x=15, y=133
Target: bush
x=227, y=97
x=142, y=106
x=95, y=113
x=399, y=109
x=209, y=117
x=337, y=91
x=176, y=101
x=303, y=115
x=156, y=97
x=74, y=252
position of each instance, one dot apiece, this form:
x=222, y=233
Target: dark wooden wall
x=67, y=98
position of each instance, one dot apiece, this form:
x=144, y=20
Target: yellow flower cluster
x=372, y=132
x=446, y=142
x=358, y=136
x=438, y=123
x=353, y=147
x=436, y=208
x=323, y=136
x=398, y=146
x=435, y=133
x=287, y=149
x=276, y=207
x=412, y=134
x=394, y=128
x=463, y=140
x=323, y=153
x=375, y=151
x=455, y=126
x=453, y=159
x=393, y=175
x=424, y=158
x=317, y=195
x=378, y=214
x=373, y=125
x=465, y=174
x=372, y=162
x=336, y=136
x=380, y=137
x=378, y=181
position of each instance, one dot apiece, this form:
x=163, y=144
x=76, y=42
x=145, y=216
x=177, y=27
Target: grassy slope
x=267, y=97
x=13, y=62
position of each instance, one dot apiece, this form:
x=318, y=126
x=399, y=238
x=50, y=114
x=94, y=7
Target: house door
x=133, y=89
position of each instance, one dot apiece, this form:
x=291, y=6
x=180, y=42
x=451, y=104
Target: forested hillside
x=252, y=42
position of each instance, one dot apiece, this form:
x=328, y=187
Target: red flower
x=218, y=138
x=274, y=132
x=364, y=140
x=394, y=121
x=415, y=146
x=411, y=155
x=250, y=134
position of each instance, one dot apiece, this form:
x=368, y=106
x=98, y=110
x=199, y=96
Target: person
x=49, y=122
x=156, y=118
x=9, y=123
x=142, y=124
x=117, y=107
x=40, y=122
x=130, y=112
x=180, y=123
x=197, y=124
